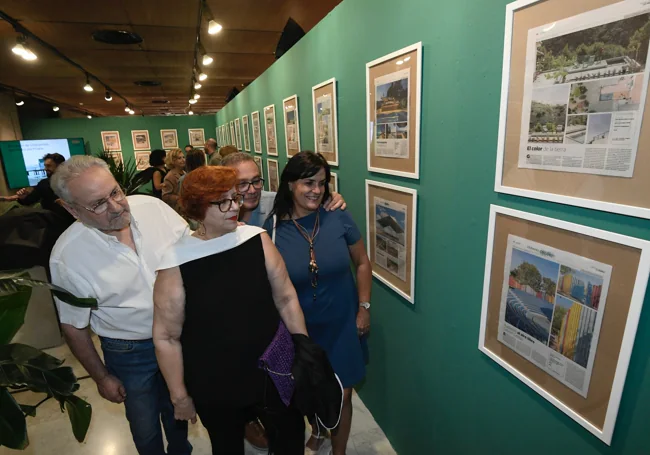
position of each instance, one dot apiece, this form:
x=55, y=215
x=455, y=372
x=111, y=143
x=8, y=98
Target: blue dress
x=331, y=316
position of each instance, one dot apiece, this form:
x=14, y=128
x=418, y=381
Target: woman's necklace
x=313, y=266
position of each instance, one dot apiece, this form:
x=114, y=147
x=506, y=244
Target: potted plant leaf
x=126, y=173
x=23, y=367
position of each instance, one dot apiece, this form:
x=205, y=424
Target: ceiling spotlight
x=202, y=76
x=214, y=27
x=131, y=111
x=21, y=49
x=108, y=96
x=127, y=108
x=192, y=101
x=190, y=112
x=88, y=87
x=197, y=96
x=21, y=102
x=29, y=55
x=55, y=108
x=89, y=116
x=18, y=49
x=197, y=85
x=207, y=59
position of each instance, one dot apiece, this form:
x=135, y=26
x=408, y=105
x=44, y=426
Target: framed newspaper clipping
x=393, y=98
x=270, y=131
x=233, y=136
x=246, y=132
x=326, y=138
x=257, y=135
x=291, y=125
x=238, y=134
x=273, y=174
x=334, y=182
x=561, y=305
x=391, y=218
x=573, y=96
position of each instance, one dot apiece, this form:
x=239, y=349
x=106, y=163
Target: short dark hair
x=56, y=157
x=188, y=145
x=301, y=166
x=195, y=158
x=157, y=157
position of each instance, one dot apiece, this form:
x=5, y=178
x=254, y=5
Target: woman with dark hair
x=199, y=318
x=157, y=161
x=317, y=247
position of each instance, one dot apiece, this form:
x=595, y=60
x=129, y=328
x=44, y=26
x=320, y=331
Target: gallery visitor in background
x=207, y=341
x=212, y=155
x=317, y=247
x=258, y=203
x=111, y=255
x=175, y=162
x=157, y=161
x=188, y=149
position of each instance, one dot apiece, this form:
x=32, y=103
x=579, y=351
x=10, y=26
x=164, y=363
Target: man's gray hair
x=234, y=159
x=70, y=170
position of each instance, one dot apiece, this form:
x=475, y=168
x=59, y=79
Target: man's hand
x=335, y=202
x=22, y=193
x=111, y=389
x=184, y=409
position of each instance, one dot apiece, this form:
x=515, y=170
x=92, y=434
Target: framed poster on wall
x=233, y=137
x=197, y=137
x=140, y=140
x=118, y=158
x=142, y=160
x=238, y=134
x=247, y=137
x=326, y=138
x=258, y=161
x=561, y=304
x=111, y=141
x=391, y=220
x=274, y=177
x=334, y=182
x=257, y=135
x=393, y=93
x=270, y=131
x=291, y=125
x=169, y=139
x=572, y=109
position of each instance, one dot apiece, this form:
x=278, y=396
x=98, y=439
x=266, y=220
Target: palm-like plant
x=25, y=367
x=125, y=172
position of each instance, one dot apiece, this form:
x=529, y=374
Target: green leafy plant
x=125, y=172
x=25, y=367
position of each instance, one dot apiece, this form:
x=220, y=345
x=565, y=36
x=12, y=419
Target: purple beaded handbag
x=277, y=361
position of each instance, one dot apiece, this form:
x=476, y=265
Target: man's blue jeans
x=147, y=398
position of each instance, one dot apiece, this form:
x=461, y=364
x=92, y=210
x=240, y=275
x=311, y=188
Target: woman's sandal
x=322, y=441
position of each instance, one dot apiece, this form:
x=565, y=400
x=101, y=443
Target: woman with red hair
x=208, y=346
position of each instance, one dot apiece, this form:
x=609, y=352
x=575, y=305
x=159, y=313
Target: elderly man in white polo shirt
x=112, y=255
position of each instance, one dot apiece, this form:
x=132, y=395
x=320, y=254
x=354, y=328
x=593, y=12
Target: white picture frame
x=334, y=182
x=118, y=158
x=257, y=138
x=417, y=47
x=499, y=187
x=273, y=174
x=196, y=136
x=258, y=161
x=111, y=141
x=294, y=100
x=410, y=297
x=335, y=122
x=266, y=132
x=238, y=140
x=140, y=140
x=246, y=133
x=142, y=160
x=636, y=305
x=233, y=136
x=169, y=139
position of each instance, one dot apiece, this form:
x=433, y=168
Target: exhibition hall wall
x=428, y=385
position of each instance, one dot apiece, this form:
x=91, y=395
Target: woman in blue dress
x=317, y=247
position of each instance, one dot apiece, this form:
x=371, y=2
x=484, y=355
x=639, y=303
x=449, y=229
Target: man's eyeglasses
x=225, y=204
x=101, y=206
x=243, y=187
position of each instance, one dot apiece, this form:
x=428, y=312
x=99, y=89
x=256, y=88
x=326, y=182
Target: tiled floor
x=50, y=432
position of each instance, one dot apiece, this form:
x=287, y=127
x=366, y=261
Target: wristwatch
x=365, y=305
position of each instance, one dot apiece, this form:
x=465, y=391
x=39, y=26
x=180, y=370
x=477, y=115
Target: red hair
x=204, y=185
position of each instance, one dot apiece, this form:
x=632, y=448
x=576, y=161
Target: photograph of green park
x=616, y=48
x=548, y=113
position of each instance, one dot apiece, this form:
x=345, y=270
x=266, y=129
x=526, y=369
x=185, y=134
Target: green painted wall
x=428, y=386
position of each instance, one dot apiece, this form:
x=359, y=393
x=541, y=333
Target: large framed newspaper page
x=391, y=220
x=326, y=137
x=257, y=135
x=291, y=125
x=393, y=99
x=572, y=127
x=561, y=305
x=270, y=130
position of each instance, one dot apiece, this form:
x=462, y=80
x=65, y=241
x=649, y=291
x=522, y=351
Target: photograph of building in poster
x=585, y=85
x=390, y=236
x=269, y=120
x=392, y=114
x=324, y=123
x=292, y=129
x=552, y=307
x=257, y=134
x=247, y=139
